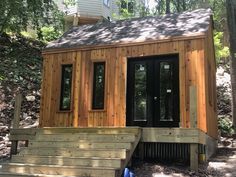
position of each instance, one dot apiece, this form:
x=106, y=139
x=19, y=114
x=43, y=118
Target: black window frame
x=127, y=4
x=95, y=105
x=61, y=107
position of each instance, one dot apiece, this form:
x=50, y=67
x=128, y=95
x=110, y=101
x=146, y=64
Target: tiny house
x=132, y=73
x=153, y=76
x=135, y=72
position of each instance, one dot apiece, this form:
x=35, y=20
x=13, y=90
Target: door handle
x=155, y=98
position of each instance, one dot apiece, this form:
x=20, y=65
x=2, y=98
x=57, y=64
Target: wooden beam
x=17, y=109
x=15, y=122
x=193, y=106
x=76, y=20
x=170, y=135
x=193, y=124
x=194, y=157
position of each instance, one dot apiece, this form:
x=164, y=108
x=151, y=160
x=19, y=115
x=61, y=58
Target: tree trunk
x=184, y=5
x=178, y=6
x=231, y=18
x=167, y=6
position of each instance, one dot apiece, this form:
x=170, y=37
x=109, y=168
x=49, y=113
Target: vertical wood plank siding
x=193, y=57
x=211, y=114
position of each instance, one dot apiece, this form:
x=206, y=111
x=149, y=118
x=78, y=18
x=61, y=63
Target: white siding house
x=89, y=11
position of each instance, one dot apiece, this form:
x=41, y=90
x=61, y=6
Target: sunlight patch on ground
x=165, y=175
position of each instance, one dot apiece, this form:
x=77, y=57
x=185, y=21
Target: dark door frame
x=153, y=88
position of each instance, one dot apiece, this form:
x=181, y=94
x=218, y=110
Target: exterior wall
x=110, y=11
x=211, y=102
x=192, y=71
x=93, y=8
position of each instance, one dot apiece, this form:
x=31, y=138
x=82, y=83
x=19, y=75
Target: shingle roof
x=135, y=30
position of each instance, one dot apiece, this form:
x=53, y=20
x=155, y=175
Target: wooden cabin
x=91, y=74
x=151, y=76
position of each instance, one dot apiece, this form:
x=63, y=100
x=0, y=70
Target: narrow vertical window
x=66, y=82
x=98, y=85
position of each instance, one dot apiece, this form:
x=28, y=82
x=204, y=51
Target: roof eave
x=123, y=44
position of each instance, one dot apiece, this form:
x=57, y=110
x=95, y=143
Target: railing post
x=193, y=124
x=15, y=121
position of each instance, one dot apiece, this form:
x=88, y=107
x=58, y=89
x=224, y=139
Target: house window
x=106, y=2
x=66, y=82
x=127, y=5
x=98, y=85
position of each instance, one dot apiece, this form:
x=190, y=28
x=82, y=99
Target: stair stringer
x=130, y=153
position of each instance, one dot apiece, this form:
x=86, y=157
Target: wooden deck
x=56, y=137
x=93, y=152
x=165, y=135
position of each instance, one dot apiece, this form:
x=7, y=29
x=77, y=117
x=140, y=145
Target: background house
x=82, y=12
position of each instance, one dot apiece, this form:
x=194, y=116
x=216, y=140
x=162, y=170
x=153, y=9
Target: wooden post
x=16, y=120
x=193, y=124
x=194, y=157
x=75, y=20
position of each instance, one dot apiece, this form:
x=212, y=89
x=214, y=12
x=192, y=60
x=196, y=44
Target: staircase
x=72, y=152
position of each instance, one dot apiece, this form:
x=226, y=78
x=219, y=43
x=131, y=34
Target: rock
x=226, y=143
x=4, y=129
x=30, y=98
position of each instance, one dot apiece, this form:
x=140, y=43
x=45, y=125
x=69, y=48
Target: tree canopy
x=18, y=15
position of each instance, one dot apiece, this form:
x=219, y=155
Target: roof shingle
x=135, y=30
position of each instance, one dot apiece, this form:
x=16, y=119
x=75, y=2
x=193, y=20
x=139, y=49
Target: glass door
x=153, y=92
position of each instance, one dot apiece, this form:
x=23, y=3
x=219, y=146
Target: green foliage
x=225, y=125
x=68, y=3
x=28, y=34
x=21, y=60
x=221, y=51
x=49, y=33
x=18, y=15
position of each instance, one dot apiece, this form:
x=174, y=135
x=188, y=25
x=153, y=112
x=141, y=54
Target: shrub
x=225, y=126
x=49, y=33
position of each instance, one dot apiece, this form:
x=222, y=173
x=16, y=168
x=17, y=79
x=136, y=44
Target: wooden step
x=72, y=152
x=75, y=152
x=87, y=137
x=6, y=174
x=59, y=170
x=67, y=161
x=81, y=145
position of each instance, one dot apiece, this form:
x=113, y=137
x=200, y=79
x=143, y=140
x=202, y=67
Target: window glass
x=140, y=92
x=166, y=91
x=127, y=5
x=107, y=2
x=66, y=82
x=98, y=85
